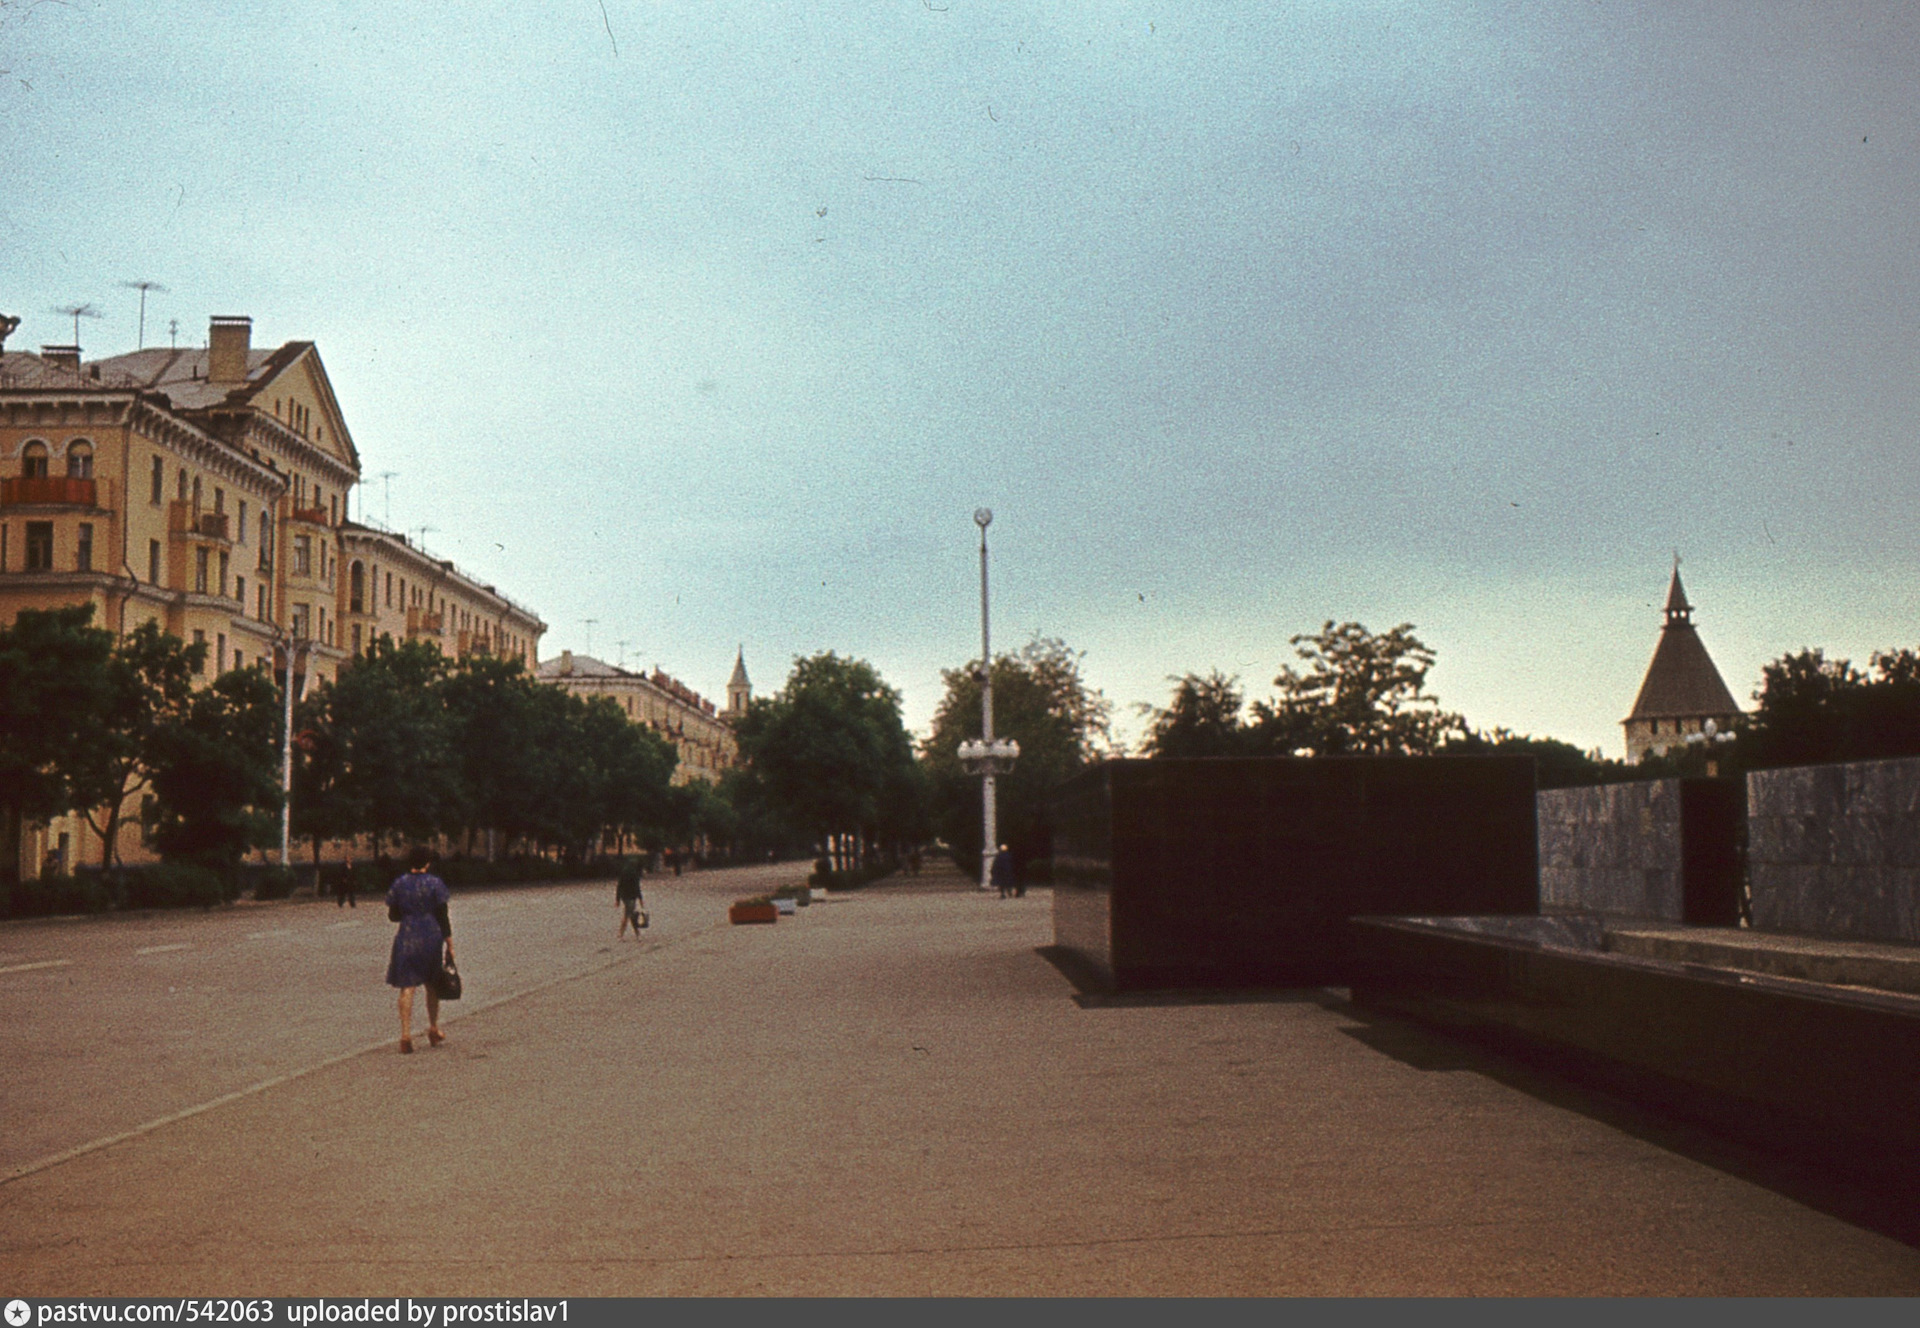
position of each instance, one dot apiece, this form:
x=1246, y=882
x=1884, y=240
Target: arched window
x=356, y=594
x=33, y=461
x=79, y=459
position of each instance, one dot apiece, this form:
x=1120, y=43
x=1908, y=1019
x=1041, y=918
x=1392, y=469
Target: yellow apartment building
x=702, y=738
x=207, y=489
x=393, y=589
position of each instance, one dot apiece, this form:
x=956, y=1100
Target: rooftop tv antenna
x=622, y=662
x=386, y=494
x=589, y=622
x=76, y=312
x=143, y=286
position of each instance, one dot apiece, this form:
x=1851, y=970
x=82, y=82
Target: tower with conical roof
x=739, y=690
x=1682, y=690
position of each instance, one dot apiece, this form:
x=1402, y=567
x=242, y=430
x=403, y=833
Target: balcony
x=420, y=621
x=186, y=523
x=46, y=490
x=313, y=516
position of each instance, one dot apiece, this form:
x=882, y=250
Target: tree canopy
x=1041, y=702
x=831, y=754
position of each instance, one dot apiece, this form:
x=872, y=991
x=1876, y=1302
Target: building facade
x=1682, y=693
x=702, y=738
x=207, y=490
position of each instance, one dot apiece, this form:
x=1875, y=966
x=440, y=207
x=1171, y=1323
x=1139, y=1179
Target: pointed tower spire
x=739, y=690
x=1679, y=612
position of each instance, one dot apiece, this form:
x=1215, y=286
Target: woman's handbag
x=644, y=919
x=446, y=980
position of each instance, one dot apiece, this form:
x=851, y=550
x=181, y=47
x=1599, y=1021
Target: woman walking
x=417, y=901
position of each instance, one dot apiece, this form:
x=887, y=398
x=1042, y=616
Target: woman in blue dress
x=417, y=901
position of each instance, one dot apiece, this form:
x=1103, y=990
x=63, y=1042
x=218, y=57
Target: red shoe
x=406, y=1046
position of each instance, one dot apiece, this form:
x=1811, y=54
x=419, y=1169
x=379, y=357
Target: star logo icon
x=18, y=1312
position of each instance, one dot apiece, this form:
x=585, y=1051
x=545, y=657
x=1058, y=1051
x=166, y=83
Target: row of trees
x=91, y=723
x=408, y=744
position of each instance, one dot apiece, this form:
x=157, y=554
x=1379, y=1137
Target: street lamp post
x=287, y=643
x=987, y=756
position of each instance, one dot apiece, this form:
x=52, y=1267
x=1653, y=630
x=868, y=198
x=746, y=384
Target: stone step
x=1881, y=967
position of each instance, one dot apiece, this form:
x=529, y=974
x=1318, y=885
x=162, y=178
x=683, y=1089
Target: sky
x=713, y=323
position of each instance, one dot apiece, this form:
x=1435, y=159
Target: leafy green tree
x=1041, y=702
x=377, y=750
x=831, y=751
x=1360, y=694
x=57, y=697
x=1202, y=719
x=216, y=773
x=1556, y=764
x=1813, y=709
x=150, y=684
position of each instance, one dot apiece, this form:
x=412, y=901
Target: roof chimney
x=62, y=357
x=566, y=663
x=229, y=337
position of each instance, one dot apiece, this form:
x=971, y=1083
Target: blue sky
x=715, y=322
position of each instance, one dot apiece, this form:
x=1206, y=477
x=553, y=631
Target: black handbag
x=446, y=980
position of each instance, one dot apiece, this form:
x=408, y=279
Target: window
x=39, y=546
x=240, y=593
x=220, y=654
x=266, y=543
x=223, y=576
x=200, y=639
x=180, y=486
x=299, y=621
x=33, y=461
x=79, y=459
x=83, y=548
x=219, y=500
x=158, y=488
x=239, y=660
x=261, y=596
x=356, y=638
x=200, y=571
x=333, y=508
x=153, y=562
x=241, y=524
x=303, y=555
x=389, y=589
x=357, y=590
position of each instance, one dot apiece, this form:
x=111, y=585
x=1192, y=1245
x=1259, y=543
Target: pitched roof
x=739, y=678
x=570, y=665
x=1682, y=681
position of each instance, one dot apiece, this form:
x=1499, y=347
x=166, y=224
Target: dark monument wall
x=1664, y=850
x=1834, y=850
x=1231, y=872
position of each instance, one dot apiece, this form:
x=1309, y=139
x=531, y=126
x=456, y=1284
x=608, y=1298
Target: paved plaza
x=890, y=1092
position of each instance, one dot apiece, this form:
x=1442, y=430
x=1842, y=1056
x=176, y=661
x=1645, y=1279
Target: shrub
x=275, y=882
x=177, y=885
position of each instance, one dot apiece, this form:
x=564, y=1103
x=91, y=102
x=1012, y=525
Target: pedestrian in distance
x=346, y=894
x=1001, y=872
x=417, y=900
x=626, y=893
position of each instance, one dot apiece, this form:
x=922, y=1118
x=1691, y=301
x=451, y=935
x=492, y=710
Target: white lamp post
x=987, y=756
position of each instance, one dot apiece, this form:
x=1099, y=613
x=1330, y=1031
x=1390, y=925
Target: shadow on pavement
x=1886, y=1204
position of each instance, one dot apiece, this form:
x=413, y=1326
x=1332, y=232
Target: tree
x=1202, y=719
x=378, y=752
x=56, y=692
x=1041, y=702
x=216, y=773
x=1361, y=694
x=149, y=687
x=831, y=752
x=1812, y=709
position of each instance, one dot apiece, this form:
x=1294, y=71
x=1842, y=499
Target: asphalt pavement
x=890, y=1092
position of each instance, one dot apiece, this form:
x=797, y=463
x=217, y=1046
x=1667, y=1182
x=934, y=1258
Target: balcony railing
x=59, y=490
x=419, y=620
x=189, y=524
x=314, y=516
